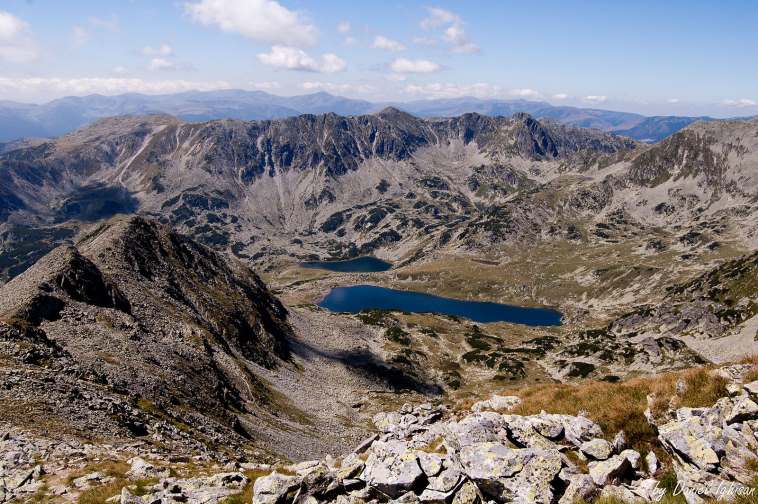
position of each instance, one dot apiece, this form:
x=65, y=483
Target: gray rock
x=744, y=409
x=580, y=487
x=751, y=388
x=496, y=403
x=508, y=474
x=365, y=445
x=141, y=469
x=617, y=493
x=468, y=493
x=446, y=481
x=391, y=468
x=128, y=498
x=619, y=442
x=604, y=472
x=598, y=449
x=430, y=463
x=274, y=488
x=689, y=441
x=651, y=461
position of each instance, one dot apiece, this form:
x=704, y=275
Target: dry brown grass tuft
x=621, y=406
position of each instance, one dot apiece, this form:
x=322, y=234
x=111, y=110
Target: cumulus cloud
x=595, y=98
x=161, y=64
x=261, y=20
x=438, y=17
x=343, y=26
x=265, y=86
x=404, y=65
x=525, y=93
x=382, y=42
x=16, y=45
x=453, y=34
x=342, y=88
x=27, y=87
x=448, y=90
x=119, y=70
x=292, y=58
x=163, y=50
x=560, y=96
x=673, y=100
x=740, y=103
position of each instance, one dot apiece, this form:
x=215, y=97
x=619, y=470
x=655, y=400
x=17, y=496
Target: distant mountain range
x=19, y=120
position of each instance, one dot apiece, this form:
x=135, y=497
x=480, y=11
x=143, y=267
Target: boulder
x=392, y=468
x=430, y=463
x=127, y=497
x=468, y=493
x=511, y=474
x=477, y=428
x=651, y=463
x=142, y=470
x=275, y=488
x=496, y=403
x=691, y=443
x=598, y=449
x=447, y=481
x=744, y=409
x=751, y=388
x=581, y=487
x=604, y=472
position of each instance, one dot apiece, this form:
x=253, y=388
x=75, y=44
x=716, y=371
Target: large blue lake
x=365, y=264
x=357, y=298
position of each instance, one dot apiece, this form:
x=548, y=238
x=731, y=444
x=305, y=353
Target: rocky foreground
x=430, y=454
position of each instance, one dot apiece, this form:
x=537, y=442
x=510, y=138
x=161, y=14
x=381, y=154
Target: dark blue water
x=356, y=298
x=365, y=264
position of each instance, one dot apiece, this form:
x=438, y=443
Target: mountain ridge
x=63, y=115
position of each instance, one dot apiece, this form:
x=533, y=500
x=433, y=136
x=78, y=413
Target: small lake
x=357, y=298
x=366, y=264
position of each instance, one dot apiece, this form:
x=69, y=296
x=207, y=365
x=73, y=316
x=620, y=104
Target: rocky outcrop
x=715, y=448
x=143, y=323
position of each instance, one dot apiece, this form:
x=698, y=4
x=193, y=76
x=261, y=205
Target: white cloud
x=438, y=17
x=16, y=45
x=404, y=65
x=673, y=100
x=595, y=98
x=343, y=26
x=161, y=64
x=265, y=86
x=740, y=103
x=261, y=20
x=454, y=33
x=349, y=41
x=456, y=36
x=333, y=87
x=525, y=93
x=119, y=70
x=291, y=58
x=162, y=50
x=447, y=90
x=11, y=27
x=560, y=96
x=382, y=42
x=28, y=87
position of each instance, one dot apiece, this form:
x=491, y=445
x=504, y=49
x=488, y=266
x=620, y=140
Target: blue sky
x=653, y=57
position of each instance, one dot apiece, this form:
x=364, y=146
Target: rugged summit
x=151, y=315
